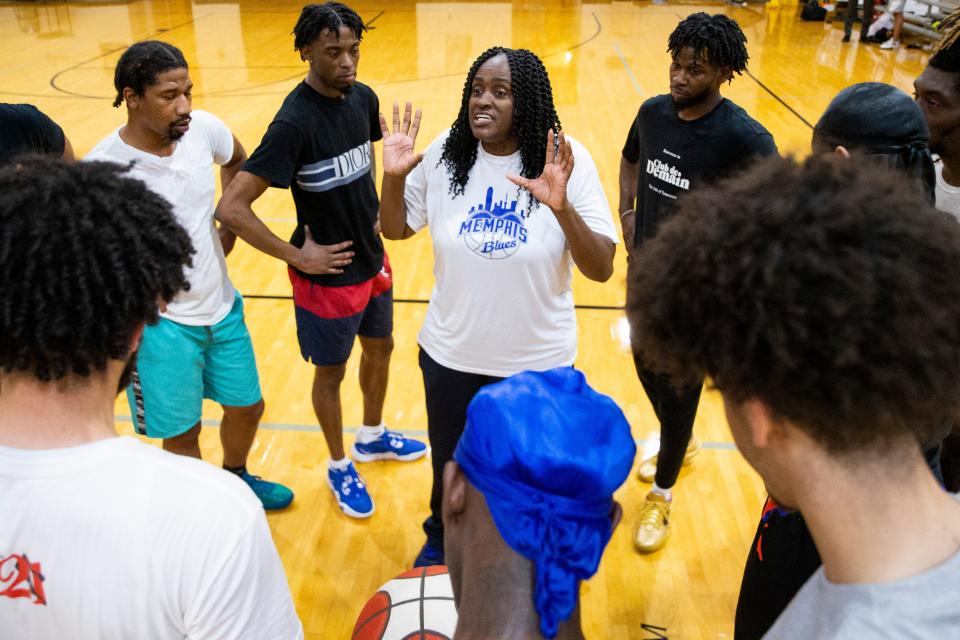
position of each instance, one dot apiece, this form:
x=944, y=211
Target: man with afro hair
x=823, y=300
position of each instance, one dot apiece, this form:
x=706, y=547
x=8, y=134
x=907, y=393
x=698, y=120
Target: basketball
x=416, y=605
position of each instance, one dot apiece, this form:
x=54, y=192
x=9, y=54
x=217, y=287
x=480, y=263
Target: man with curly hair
x=875, y=124
x=677, y=143
x=105, y=536
x=200, y=348
x=823, y=299
x=320, y=146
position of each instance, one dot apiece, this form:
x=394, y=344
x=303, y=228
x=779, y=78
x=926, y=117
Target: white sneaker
x=890, y=44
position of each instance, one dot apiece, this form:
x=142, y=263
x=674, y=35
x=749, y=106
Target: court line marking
x=374, y=19
x=309, y=428
x=53, y=80
x=238, y=91
x=232, y=93
x=778, y=98
x=626, y=66
x=73, y=94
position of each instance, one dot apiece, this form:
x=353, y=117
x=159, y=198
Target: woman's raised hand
x=398, y=156
x=550, y=187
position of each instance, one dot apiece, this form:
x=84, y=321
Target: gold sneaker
x=653, y=524
x=647, y=470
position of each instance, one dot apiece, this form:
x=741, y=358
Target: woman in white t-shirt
x=512, y=204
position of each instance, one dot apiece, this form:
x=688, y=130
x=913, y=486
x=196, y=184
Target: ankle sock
x=367, y=434
x=242, y=469
x=667, y=494
x=339, y=465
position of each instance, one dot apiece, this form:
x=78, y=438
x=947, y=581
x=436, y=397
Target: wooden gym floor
x=603, y=59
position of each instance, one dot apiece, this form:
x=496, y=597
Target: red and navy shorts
x=330, y=318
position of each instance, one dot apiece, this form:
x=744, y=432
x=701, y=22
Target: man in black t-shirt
x=679, y=142
x=26, y=129
x=319, y=145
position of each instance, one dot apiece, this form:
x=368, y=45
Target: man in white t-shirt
x=105, y=536
x=200, y=348
x=836, y=350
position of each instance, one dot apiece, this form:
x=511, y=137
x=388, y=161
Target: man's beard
x=690, y=101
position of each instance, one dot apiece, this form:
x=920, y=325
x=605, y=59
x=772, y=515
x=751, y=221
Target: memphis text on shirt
x=334, y=172
x=665, y=172
x=493, y=230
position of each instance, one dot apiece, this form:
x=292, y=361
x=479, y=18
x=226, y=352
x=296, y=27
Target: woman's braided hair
x=534, y=114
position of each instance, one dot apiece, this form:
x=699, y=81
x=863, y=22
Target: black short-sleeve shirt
x=25, y=129
x=320, y=148
x=678, y=155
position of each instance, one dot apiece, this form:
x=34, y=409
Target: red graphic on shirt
x=20, y=578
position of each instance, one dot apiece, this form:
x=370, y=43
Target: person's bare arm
x=398, y=161
x=227, y=172
x=629, y=176
x=236, y=213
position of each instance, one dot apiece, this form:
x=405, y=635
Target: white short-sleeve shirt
x=947, y=195
x=502, y=302
x=186, y=180
x=119, y=539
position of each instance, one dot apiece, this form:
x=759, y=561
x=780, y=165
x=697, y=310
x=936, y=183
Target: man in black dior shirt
x=320, y=146
x=679, y=142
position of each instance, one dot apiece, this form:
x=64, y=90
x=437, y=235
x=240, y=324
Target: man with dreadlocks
x=320, y=146
x=200, y=348
x=679, y=142
x=512, y=205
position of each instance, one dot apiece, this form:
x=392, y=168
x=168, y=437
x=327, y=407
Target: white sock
x=667, y=494
x=339, y=465
x=367, y=434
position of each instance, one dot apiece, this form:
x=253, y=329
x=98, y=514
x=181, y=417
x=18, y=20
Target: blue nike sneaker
x=391, y=445
x=272, y=495
x=351, y=492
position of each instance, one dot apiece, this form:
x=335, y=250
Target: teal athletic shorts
x=179, y=365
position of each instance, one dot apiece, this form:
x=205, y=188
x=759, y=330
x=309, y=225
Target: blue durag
x=547, y=452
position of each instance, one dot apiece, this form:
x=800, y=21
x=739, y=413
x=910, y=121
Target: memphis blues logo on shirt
x=333, y=172
x=494, y=230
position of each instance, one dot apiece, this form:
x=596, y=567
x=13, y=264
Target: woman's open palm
x=398, y=156
x=550, y=187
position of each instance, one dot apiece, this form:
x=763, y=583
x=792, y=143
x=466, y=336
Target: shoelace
x=351, y=477
x=652, y=514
